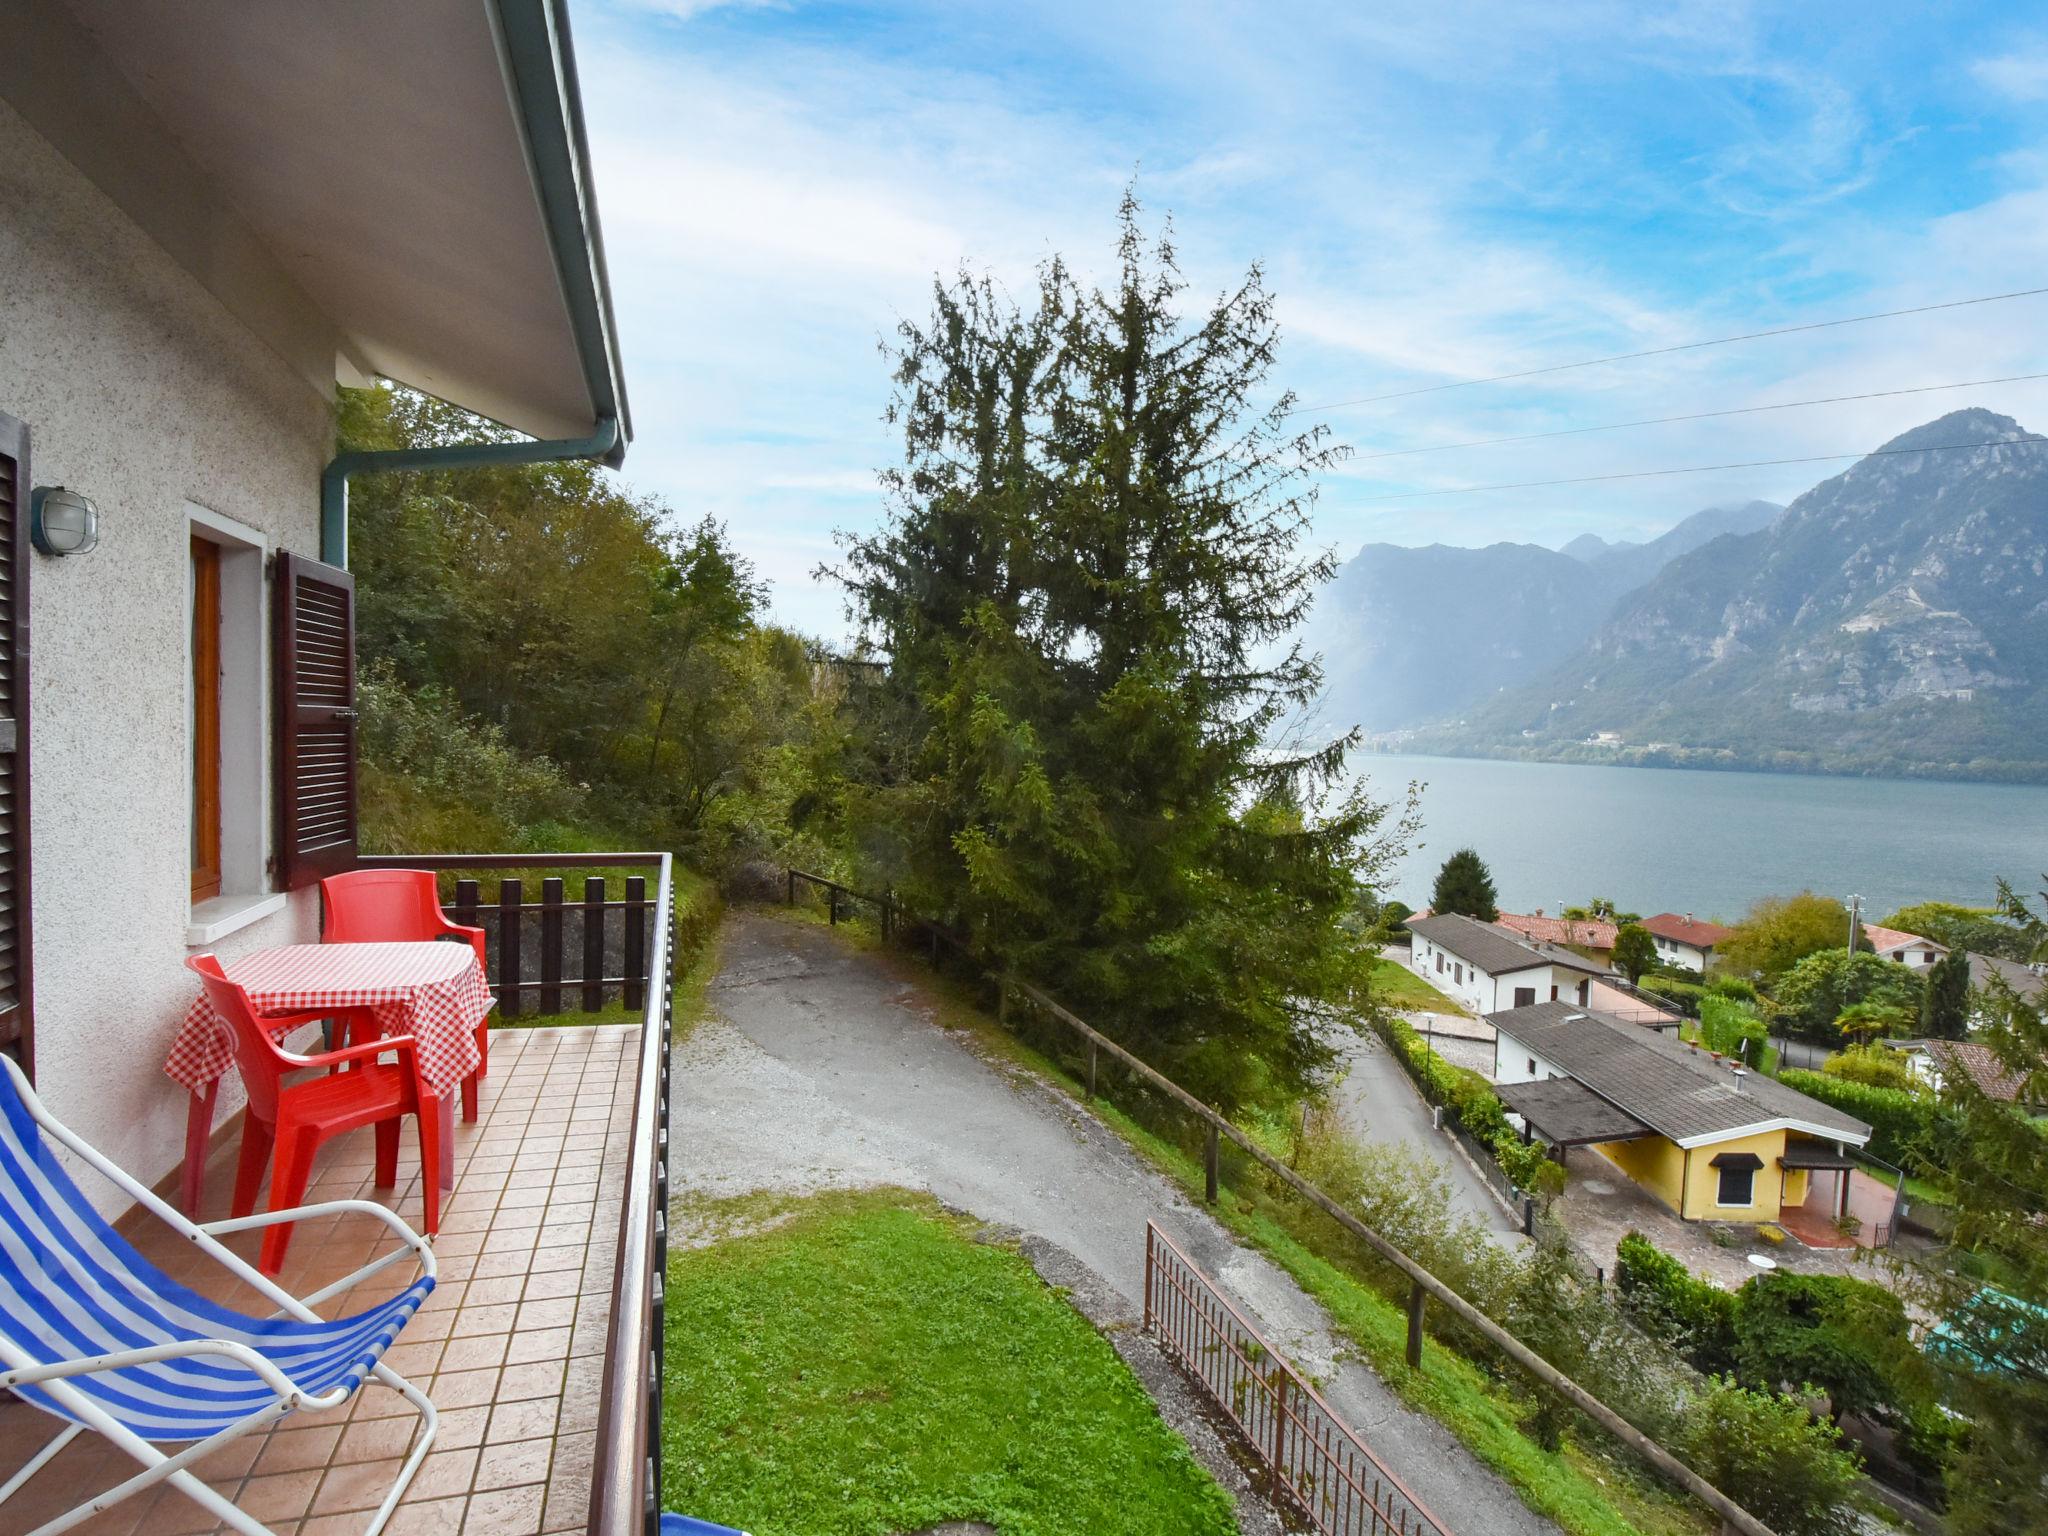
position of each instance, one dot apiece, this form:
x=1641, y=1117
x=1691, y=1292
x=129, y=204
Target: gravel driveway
x=824, y=1067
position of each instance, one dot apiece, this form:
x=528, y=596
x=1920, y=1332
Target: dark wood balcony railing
x=625, y=1485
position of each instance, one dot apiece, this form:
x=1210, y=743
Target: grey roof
x=1677, y=1091
x=1495, y=949
x=1566, y=1113
x=2023, y=979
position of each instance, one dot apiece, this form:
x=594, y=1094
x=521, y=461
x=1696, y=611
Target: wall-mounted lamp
x=62, y=522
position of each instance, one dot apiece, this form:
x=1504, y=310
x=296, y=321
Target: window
x=1524, y=996
x=225, y=717
x=1738, y=1187
x=1458, y=974
x=1439, y=963
x=203, y=717
x=17, y=992
x=1532, y=1066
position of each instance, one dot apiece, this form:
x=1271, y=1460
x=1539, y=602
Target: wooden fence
x=557, y=954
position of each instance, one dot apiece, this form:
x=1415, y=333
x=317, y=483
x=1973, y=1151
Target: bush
x=436, y=781
x=1734, y=1030
x=1878, y=1067
x=1847, y=1337
x=1822, y=987
x=1901, y=1123
x=1474, y=1108
x=1789, y=1471
x=1741, y=988
x=1669, y=1302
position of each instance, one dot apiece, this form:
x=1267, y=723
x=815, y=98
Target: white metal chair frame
x=24, y=1370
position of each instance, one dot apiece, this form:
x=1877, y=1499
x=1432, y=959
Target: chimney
x=1688, y=917
x=1739, y=1075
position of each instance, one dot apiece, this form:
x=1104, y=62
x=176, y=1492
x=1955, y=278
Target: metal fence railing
x=1315, y=1462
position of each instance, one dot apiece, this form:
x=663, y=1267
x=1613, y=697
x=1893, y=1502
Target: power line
x=1701, y=469
x=1687, y=346
x=1658, y=421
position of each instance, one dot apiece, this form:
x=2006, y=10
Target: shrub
x=1847, y=1337
x=1732, y=1029
x=1901, y=1123
x=1786, y=1469
x=1475, y=1108
x=1669, y=1302
x=1822, y=986
x=1877, y=1067
x=1741, y=988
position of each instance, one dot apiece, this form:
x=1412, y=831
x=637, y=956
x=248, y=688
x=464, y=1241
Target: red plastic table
x=434, y=992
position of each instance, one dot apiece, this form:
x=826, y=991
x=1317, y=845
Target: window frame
x=1721, y=1189
x=205, y=642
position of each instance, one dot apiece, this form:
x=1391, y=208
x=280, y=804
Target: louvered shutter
x=16, y=1035
x=315, y=662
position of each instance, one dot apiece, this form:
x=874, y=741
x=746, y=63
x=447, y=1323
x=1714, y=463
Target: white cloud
x=2021, y=74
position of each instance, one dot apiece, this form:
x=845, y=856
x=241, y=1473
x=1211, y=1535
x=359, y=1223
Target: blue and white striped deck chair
x=95, y=1334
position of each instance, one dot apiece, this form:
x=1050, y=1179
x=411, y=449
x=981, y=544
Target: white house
x=1485, y=968
x=1683, y=940
x=1908, y=949
x=210, y=213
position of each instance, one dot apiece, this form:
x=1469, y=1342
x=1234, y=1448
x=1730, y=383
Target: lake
x=1657, y=839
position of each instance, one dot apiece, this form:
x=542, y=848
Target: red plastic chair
x=383, y=906
x=295, y=1118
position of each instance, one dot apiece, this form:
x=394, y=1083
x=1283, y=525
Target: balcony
x=541, y=1346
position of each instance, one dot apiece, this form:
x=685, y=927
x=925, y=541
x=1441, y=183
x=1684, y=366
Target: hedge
x=1470, y=1101
x=1900, y=1122
x=1671, y=1303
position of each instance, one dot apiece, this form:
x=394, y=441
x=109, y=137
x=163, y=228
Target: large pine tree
x=1084, y=593
x=1465, y=885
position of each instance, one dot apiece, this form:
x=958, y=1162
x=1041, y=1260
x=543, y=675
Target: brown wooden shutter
x=315, y=660
x=16, y=1014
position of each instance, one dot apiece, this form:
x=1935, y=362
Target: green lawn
x=1398, y=987
x=859, y=1366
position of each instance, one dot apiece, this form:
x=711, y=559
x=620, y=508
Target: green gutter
x=600, y=445
x=540, y=61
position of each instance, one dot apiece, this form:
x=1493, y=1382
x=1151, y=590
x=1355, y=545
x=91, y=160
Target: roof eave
x=540, y=73
x=1760, y=1128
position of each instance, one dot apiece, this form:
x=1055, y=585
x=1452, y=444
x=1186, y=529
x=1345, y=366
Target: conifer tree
x=1465, y=885
x=1945, y=1007
x=1083, y=595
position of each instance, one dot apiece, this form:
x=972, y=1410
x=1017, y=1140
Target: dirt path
x=823, y=1067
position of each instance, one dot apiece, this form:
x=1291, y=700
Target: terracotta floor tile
x=359, y=1485
x=282, y=1496
x=513, y=1464
x=440, y=1517
x=505, y=1512
x=475, y=1352
x=497, y=1317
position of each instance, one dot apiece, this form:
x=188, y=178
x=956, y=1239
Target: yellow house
x=1711, y=1141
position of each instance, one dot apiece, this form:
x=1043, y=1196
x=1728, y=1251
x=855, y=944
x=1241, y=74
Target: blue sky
x=1437, y=191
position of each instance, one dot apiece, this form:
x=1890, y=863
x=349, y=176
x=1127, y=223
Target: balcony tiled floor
x=510, y=1346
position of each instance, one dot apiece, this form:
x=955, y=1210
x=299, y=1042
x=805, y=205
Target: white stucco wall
x=141, y=391
x=1678, y=952
x=1481, y=991
x=1511, y=1062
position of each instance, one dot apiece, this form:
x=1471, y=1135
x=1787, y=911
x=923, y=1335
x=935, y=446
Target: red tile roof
x=1982, y=1064
x=1683, y=928
x=1885, y=940
x=1587, y=933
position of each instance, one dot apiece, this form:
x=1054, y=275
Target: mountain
x=1590, y=547
x=1627, y=566
x=1412, y=635
x=1893, y=620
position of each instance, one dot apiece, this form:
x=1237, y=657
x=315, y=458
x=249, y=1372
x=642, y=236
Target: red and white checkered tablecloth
x=434, y=992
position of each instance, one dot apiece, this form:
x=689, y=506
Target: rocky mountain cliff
x=1413, y=635
x=1893, y=620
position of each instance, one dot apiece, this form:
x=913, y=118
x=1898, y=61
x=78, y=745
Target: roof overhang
x=1566, y=1113
x=418, y=171
x=1764, y=1127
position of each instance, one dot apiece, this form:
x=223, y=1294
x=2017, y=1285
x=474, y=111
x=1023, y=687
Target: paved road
x=826, y=1067
x=1377, y=1102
